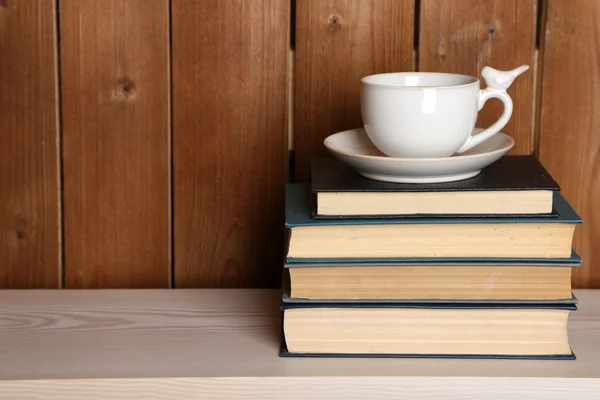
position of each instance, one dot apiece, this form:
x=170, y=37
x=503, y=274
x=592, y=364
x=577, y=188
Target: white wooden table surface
x=223, y=344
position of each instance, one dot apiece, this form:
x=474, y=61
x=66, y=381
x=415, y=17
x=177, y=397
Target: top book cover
x=514, y=186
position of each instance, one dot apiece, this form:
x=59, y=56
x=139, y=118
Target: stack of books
x=474, y=268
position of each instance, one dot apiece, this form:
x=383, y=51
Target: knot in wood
x=335, y=23
x=124, y=90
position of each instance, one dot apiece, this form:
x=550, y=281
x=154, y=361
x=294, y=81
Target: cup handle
x=497, y=83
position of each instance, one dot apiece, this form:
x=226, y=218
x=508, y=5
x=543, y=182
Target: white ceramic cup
x=428, y=114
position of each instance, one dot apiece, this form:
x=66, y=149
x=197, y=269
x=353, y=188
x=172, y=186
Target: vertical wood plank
x=463, y=36
x=229, y=141
x=570, y=119
x=29, y=186
x=337, y=43
x=115, y=108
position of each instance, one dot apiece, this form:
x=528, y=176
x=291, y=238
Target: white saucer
x=355, y=149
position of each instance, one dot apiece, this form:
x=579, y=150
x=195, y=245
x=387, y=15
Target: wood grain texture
x=337, y=43
x=221, y=344
x=302, y=388
x=115, y=109
x=570, y=120
x=229, y=141
x=29, y=185
x=463, y=36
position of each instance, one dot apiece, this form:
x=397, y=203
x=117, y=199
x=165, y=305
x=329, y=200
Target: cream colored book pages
x=426, y=331
x=543, y=240
x=432, y=282
x=409, y=203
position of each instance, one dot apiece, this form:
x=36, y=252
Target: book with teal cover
x=287, y=298
x=481, y=305
x=574, y=261
x=298, y=213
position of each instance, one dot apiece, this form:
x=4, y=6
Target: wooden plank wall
x=569, y=129
x=167, y=165
x=115, y=113
x=229, y=141
x=337, y=43
x=462, y=37
x=29, y=175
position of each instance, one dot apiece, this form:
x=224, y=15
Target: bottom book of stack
x=534, y=329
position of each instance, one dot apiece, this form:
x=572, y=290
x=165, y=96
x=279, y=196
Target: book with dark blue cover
x=284, y=352
x=491, y=304
x=516, y=174
x=298, y=214
x=521, y=172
